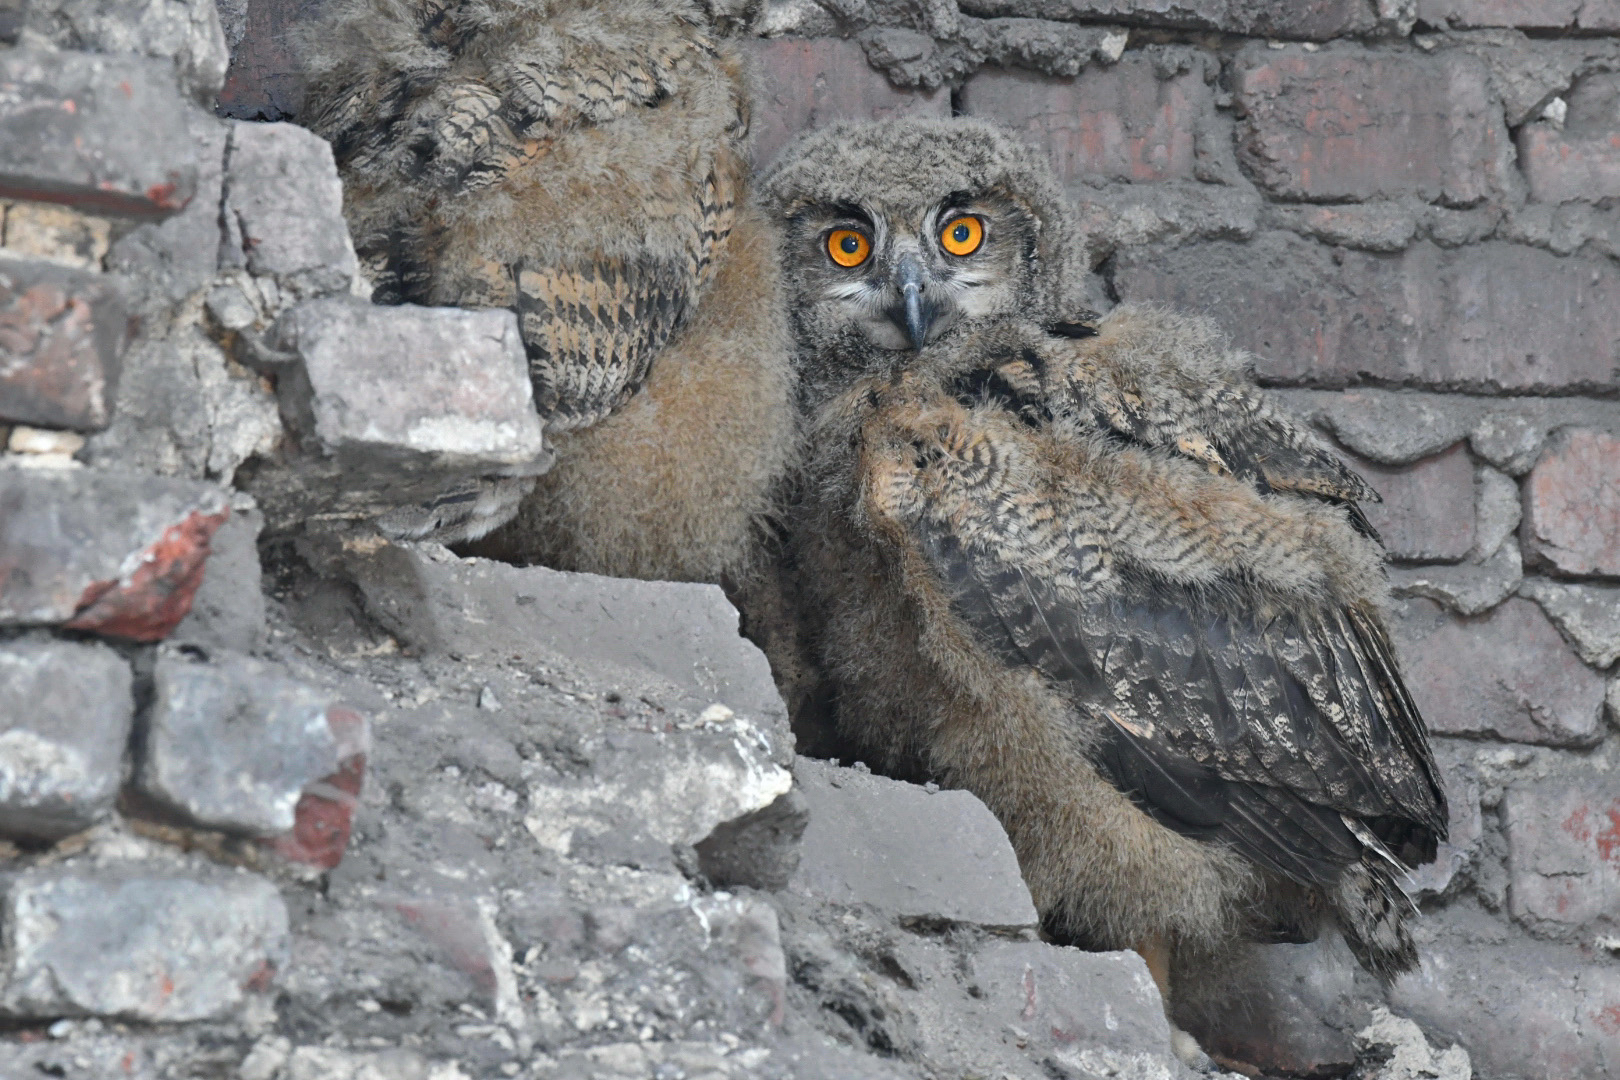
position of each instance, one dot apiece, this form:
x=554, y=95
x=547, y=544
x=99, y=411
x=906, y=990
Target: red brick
x=113, y=553
x=1506, y=674
x=62, y=338
x=1561, y=167
x=1494, y=317
x=1121, y=122
x=1311, y=19
x=324, y=817
x=805, y=84
x=1564, y=852
x=1572, y=503
x=1428, y=510
x=1354, y=124
x=1529, y=14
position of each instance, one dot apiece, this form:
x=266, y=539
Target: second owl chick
x=585, y=165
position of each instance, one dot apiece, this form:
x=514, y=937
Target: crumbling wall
x=285, y=801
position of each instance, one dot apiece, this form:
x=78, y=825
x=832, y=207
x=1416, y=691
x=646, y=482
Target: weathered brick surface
x=1526, y=14
x=1318, y=19
x=1121, y=122
x=284, y=211
x=265, y=80
x=62, y=338
x=114, y=553
x=808, y=84
x=1522, y=1009
x=1506, y=674
x=103, y=133
x=1069, y=1000
x=137, y=945
x=1492, y=317
x=65, y=714
x=1561, y=167
x=923, y=855
x=469, y=403
x=231, y=743
x=1589, y=615
x=186, y=32
x=323, y=819
x=1428, y=510
x=1564, y=853
x=1572, y=503
x=1352, y=124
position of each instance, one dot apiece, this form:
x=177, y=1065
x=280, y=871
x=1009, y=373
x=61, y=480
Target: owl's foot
x=1186, y=1048
x=1155, y=952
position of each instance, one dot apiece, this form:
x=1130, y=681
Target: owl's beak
x=911, y=311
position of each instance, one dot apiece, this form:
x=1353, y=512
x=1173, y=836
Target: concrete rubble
x=282, y=798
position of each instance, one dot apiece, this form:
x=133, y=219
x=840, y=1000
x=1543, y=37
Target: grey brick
x=1529, y=14
x=1522, y=1008
x=809, y=83
x=1129, y=121
x=1286, y=1009
x=1351, y=124
x=1509, y=441
x=230, y=743
x=65, y=714
x=684, y=633
x=284, y=211
x=1491, y=317
x=370, y=438
x=62, y=339
x=105, y=134
x=1392, y=429
x=137, y=945
x=228, y=610
x=1466, y=588
x=1086, y=1010
x=167, y=261
x=1507, y=674
x=1563, y=839
x=1428, y=510
x=914, y=854
x=1497, y=502
x=116, y=553
x=1589, y=615
x=1311, y=19
x=186, y=32
x=1572, y=504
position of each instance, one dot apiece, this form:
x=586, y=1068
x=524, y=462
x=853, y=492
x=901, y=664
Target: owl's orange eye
x=963, y=235
x=848, y=247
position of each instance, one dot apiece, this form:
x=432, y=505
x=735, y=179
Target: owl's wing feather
x=1259, y=734
x=1170, y=381
x=429, y=104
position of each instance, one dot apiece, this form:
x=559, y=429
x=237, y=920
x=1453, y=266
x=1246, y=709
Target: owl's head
x=901, y=232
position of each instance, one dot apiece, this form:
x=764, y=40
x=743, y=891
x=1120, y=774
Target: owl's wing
x=1284, y=737
x=1167, y=380
x=415, y=128
x=1282, y=729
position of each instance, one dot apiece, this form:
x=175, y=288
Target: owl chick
x=1085, y=570
x=583, y=164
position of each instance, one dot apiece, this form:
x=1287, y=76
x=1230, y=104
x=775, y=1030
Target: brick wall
x=1409, y=212
x=1411, y=218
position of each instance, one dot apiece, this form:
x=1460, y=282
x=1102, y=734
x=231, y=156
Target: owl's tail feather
x=1372, y=911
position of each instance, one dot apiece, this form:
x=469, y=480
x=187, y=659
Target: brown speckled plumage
x=585, y=165
x=1084, y=569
